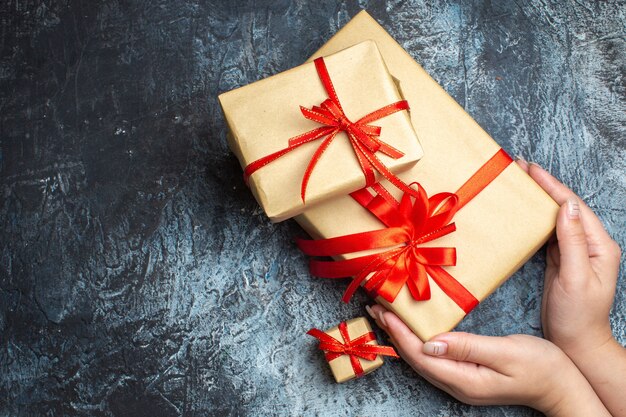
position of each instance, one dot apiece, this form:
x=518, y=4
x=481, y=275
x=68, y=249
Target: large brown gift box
x=497, y=231
x=264, y=115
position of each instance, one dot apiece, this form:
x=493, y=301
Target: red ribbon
x=356, y=348
x=409, y=223
x=363, y=136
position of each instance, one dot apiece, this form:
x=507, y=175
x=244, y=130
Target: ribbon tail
x=364, y=162
x=386, y=351
x=356, y=366
x=418, y=281
x=374, y=282
x=391, y=177
x=383, y=170
x=384, y=193
x=374, y=144
x=374, y=350
x=382, y=266
x=354, y=285
x=314, y=160
x=453, y=288
x=396, y=277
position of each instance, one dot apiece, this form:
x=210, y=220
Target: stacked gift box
x=390, y=176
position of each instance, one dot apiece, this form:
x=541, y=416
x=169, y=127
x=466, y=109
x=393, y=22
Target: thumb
x=572, y=240
x=489, y=351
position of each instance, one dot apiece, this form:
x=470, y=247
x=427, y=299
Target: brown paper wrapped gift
x=348, y=343
x=497, y=231
x=264, y=115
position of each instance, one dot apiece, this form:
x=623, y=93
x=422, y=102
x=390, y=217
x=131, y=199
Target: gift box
x=320, y=130
x=351, y=349
x=501, y=218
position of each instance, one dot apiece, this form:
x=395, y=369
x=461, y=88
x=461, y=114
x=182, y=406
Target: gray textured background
x=137, y=274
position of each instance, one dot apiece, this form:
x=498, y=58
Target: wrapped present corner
x=320, y=130
x=473, y=219
x=351, y=349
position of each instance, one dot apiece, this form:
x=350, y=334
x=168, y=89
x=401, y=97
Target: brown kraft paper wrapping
x=264, y=115
x=497, y=231
x=341, y=366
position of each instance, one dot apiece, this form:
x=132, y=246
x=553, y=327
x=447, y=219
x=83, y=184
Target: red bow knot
x=362, y=136
x=417, y=222
x=356, y=348
x=409, y=224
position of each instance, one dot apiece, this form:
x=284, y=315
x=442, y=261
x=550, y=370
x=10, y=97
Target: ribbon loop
x=363, y=137
x=410, y=223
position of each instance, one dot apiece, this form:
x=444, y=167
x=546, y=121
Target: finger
x=492, y=352
x=402, y=336
x=553, y=254
x=376, y=312
x=560, y=193
x=522, y=163
x=574, y=252
x=450, y=374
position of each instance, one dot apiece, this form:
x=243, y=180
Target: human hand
x=582, y=265
x=482, y=370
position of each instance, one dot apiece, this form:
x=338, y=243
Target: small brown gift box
x=497, y=231
x=264, y=115
x=341, y=364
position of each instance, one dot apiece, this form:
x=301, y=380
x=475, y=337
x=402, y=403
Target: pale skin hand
x=582, y=267
x=527, y=370
x=484, y=370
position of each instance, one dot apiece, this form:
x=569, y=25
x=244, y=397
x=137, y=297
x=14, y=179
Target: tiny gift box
x=473, y=218
x=320, y=130
x=351, y=349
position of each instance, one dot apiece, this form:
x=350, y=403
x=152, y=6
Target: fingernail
x=520, y=158
x=435, y=348
x=381, y=317
x=573, y=208
x=535, y=164
x=370, y=312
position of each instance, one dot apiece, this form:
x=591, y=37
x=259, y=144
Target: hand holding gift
x=483, y=370
x=581, y=274
x=519, y=369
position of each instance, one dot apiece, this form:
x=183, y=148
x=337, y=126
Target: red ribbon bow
x=408, y=225
x=356, y=348
x=363, y=136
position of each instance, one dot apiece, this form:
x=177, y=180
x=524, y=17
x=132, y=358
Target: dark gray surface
x=138, y=276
